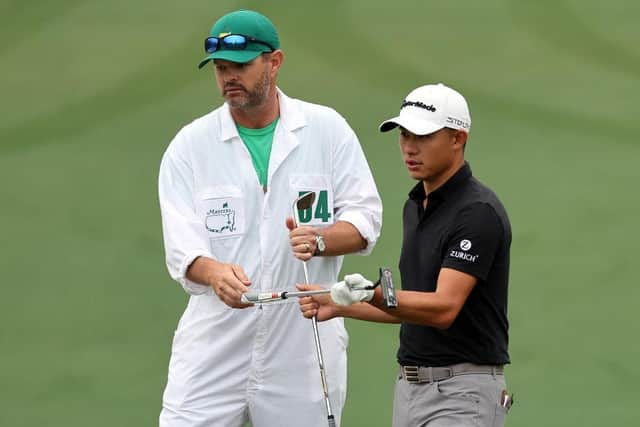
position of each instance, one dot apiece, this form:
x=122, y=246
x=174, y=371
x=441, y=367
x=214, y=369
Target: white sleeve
x=356, y=198
x=181, y=228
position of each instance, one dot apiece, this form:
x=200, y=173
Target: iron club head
x=302, y=202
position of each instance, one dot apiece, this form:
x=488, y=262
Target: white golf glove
x=352, y=290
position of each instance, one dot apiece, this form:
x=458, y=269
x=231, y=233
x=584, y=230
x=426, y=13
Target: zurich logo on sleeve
x=465, y=245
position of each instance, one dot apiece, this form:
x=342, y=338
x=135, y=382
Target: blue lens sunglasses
x=231, y=42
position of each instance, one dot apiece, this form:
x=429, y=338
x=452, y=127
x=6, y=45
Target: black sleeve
x=474, y=240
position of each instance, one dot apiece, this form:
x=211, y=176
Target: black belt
x=429, y=374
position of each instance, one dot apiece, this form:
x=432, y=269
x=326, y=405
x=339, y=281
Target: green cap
x=247, y=23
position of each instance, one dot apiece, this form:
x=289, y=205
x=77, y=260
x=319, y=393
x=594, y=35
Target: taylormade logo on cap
x=430, y=108
x=418, y=104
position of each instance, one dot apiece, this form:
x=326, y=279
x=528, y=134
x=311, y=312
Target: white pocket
x=321, y=213
x=222, y=212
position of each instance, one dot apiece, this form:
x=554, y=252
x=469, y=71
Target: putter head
x=388, y=289
x=302, y=202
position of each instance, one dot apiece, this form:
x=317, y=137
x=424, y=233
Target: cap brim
x=240, y=56
x=416, y=127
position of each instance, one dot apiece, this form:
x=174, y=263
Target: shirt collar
x=418, y=194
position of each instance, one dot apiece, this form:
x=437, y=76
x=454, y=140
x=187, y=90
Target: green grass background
x=91, y=92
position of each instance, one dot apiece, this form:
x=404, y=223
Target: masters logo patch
x=221, y=220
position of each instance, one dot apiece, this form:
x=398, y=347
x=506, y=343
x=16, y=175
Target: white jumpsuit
x=229, y=366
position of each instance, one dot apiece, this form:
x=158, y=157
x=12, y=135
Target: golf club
x=302, y=202
x=385, y=281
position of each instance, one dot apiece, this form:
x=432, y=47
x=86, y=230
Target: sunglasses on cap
x=231, y=42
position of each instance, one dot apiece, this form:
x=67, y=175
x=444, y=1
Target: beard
x=253, y=98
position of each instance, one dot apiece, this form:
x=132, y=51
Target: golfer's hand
x=352, y=290
x=320, y=306
x=302, y=239
x=229, y=282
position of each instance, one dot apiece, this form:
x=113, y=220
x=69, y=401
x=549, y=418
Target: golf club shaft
x=323, y=376
x=301, y=294
x=309, y=197
x=266, y=297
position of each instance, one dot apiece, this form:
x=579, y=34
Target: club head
x=304, y=201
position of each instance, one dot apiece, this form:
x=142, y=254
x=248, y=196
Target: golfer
x=454, y=268
x=226, y=186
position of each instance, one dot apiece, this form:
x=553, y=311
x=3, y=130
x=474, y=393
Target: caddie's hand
x=302, y=239
x=229, y=282
x=320, y=306
x=351, y=290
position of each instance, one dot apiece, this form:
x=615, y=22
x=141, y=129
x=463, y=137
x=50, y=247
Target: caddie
x=226, y=186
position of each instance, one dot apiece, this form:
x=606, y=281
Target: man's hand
x=303, y=240
x=317, y=305
x=229, y=282
x=353, y=289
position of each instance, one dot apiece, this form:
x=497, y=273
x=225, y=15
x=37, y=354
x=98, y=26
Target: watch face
x=320, y=243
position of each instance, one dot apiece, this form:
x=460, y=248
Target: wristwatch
x=320, y=245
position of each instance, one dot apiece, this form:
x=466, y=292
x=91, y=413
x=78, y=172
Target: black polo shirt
x=465, y=227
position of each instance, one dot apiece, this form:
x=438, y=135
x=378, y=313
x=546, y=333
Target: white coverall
x=259, y=364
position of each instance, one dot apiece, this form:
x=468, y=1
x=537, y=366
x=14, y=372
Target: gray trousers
x=461, y=401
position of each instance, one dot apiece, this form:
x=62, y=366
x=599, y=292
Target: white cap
x=430, y=108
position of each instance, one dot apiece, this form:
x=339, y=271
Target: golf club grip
x=332, y=421
x=253, y=297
